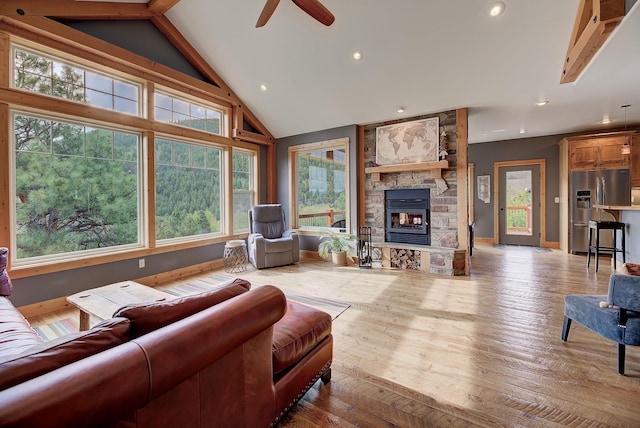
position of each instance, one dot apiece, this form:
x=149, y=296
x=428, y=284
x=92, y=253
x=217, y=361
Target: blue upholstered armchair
x=617, y=318
x=270, y=243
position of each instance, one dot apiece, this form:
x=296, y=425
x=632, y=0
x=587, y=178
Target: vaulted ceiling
x=425, y=55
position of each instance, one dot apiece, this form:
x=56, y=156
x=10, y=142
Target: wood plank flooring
x=420, y=350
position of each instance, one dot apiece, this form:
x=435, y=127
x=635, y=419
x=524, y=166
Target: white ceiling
x=426, y=55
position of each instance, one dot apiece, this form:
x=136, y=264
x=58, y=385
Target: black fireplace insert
x=407, y=216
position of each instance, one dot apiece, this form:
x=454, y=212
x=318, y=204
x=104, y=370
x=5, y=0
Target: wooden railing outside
x=519, y=219
x=321, y=219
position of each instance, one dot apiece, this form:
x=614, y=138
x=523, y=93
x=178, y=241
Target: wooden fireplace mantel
x=435, y=167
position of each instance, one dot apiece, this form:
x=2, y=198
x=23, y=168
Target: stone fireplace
x=421, y=238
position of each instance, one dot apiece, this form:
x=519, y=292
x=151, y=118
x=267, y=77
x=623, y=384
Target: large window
x=320, y=181
x=77, y=177
x=243, y=189
x=180, y=111
x=188, y=189
x=37, y=72
x=77, y=187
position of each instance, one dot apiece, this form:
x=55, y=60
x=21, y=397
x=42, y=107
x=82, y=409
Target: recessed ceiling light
x=357, y=55
x=522, y=130
x=497, y=8
x=542, y=103
x=263, y=87
x=606, y=119
x=401, y=109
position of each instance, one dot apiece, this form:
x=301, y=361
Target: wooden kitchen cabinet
x=635, y=161
x=599, y=151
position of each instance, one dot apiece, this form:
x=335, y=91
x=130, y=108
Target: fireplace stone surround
x=443, y=255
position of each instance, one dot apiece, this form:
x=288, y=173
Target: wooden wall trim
x=272, y=179
x=360, y=175
x=462, y=141
x=161, y=6
x=71, y=9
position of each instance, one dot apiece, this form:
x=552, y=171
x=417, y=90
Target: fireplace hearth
x=407, y=213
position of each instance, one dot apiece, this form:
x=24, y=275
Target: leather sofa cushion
x=147, y=317
x=297, y=333
x=48, y=356
x=16, y=335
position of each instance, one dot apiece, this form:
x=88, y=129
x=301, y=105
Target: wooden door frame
x=543, y=194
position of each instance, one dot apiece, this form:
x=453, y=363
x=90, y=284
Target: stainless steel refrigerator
x=588, y=188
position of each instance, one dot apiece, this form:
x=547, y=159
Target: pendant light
x=626, y=147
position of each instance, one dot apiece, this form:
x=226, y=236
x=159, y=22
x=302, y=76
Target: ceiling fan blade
x=267, y=11
x=316, y=10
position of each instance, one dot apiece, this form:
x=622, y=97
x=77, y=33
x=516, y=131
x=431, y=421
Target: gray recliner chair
x=270, y=244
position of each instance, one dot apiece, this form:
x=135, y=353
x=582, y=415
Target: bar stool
x=597, y=226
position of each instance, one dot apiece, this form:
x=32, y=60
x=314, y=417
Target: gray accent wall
x=483, y=156
x=49, y=286
x=140, y=37
x=310, y=243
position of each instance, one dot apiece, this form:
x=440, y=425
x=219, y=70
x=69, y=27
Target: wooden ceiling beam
x=161, y=6
x=595, y=21
x=71, y=9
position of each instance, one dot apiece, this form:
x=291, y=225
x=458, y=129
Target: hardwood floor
x=419, y=350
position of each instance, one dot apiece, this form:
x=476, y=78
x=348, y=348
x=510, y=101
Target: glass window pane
x=99, y=83
x=125, y=106
x=125, y=146
x=125, y=90
x=180, y=106
x=321, y=188
x=188, y=199
x=162, y=115
x=99, y=99
x=181, y=119
x=519, y=200
x=32, y=134
x=163, y=101
x=197, y=156
x=65, y=203
x=243, y=195
x=99, y=143
x=163, y=152
x=180, y=154
x=68, y=139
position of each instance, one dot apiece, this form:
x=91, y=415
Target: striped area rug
x=58, y=328
x=332, y=307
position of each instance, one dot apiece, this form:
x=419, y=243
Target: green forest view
x=321, y=188
x=78, y=186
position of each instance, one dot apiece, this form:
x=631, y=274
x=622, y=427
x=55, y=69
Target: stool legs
x=589, y=247
x=597, y=248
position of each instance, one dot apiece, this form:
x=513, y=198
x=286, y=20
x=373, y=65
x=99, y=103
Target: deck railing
x=519, y=219
x=327, y=218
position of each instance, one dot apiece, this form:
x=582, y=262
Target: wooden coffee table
x=102, y=302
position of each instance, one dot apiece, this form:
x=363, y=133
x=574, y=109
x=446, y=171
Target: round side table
x=235, y=256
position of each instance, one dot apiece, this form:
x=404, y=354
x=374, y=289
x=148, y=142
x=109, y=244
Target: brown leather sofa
x=226, y=358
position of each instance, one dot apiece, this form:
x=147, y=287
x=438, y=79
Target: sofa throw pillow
x=6, y=287
x=48, y=356
x=147, y=317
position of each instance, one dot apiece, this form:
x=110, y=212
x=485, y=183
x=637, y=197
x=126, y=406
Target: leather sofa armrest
x=624, y=291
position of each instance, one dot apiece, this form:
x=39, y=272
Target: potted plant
x=337, y=244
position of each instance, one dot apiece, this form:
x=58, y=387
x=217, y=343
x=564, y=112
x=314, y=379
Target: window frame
x=294, y=152
x=85, y=66
x=72, y=255
x=253, y=180
x=199, y=102
x=198, y=237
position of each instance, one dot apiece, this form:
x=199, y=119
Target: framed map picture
x=408, y=142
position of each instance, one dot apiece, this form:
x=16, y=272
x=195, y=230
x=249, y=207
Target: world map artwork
x=408, y=142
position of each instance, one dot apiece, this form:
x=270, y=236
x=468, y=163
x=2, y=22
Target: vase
x=339, y=258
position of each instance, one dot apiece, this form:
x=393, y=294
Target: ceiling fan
x=312, y=7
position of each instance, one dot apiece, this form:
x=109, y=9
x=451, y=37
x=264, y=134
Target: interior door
x=519, y=202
